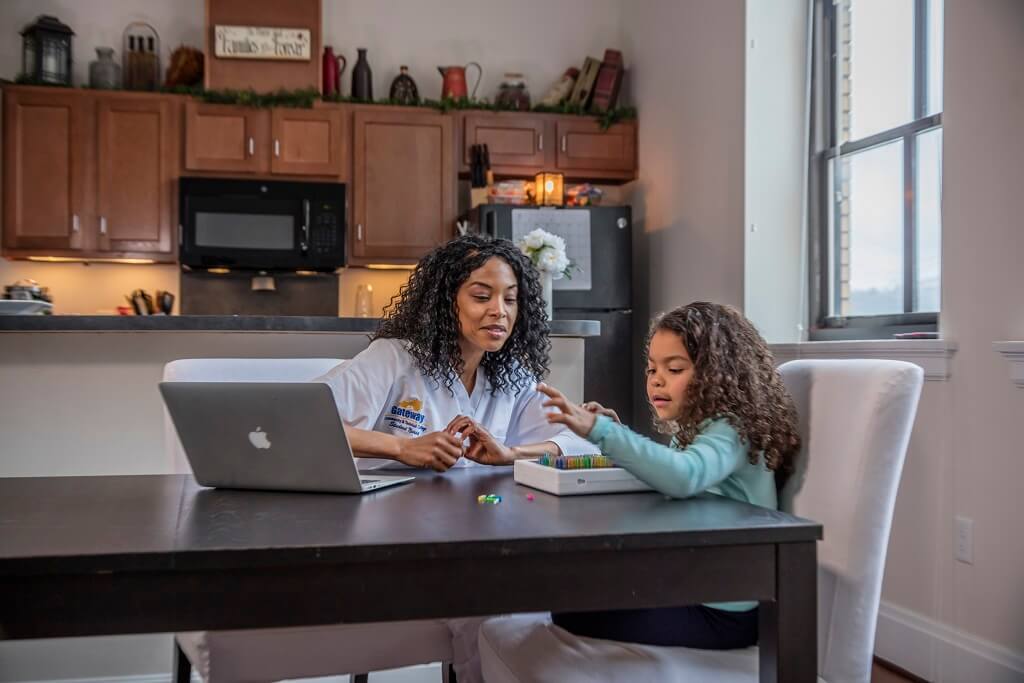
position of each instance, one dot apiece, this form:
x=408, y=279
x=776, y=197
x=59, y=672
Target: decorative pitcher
x=454, y=84
x=333, y=68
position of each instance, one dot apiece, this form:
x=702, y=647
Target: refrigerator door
x=598, y=239
x=609, y=361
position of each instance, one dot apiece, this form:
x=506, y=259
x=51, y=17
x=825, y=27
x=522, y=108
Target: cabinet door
x=222, y=137
x=136, y=155
x=583, y=146
x=308, y=142
x=47, y=145
x=403, y=185
x=515, y=142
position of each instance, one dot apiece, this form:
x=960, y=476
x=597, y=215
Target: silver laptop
x=280, y=436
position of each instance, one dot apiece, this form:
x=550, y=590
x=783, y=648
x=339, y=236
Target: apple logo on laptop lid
x=259, y=439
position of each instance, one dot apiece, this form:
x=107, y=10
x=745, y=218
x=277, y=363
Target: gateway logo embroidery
x=405, y=416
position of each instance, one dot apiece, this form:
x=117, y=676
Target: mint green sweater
x=715, y=462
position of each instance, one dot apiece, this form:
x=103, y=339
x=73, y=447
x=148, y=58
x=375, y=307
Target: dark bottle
x=362, y=80
x=403, y=88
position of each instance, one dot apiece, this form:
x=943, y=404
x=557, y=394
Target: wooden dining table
x=84, y=556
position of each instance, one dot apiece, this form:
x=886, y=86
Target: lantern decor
x=46, y=51
x=548, y=189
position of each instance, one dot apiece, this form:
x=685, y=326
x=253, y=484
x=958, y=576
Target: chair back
x=233, y=370
x=855, y=418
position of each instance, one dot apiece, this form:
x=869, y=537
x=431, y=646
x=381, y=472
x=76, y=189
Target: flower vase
x=547, y=293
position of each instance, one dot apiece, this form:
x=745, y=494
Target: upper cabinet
x=522, y=144
x=89, y=175
x=403, y=184
x=136, y=166
x=515, y=142
x=46, y=149
x=585, y=150
x=234, y=139
x=221, y=137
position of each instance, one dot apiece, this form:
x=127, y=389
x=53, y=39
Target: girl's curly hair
x=425, y=314
x=734, y=377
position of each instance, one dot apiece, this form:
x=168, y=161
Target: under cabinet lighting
x=218, y=271
x=391, y=266
x=74, y=259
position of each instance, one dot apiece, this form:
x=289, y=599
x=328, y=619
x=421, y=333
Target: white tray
x=576, y=482
x=23, y=306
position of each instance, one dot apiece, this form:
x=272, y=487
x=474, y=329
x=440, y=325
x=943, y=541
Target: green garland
x=305, y=98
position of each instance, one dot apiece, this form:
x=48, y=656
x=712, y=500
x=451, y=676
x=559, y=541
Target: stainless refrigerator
x=599, y=241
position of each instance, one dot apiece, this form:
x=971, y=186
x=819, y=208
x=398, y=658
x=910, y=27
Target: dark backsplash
x=232, y=294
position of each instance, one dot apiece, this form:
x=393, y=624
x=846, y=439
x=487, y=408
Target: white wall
x=776, y=161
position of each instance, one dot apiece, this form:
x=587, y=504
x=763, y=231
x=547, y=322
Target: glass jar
x=512, y=93
x=104, y=73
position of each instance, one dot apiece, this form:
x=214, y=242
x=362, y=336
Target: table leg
x=788, y=636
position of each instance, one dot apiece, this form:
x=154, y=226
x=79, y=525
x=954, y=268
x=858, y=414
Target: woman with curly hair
x=711, y=382
x=456, y=360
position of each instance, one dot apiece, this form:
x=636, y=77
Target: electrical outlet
x=963, y=540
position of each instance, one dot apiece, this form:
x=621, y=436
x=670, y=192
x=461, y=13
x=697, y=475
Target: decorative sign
x=261, y=42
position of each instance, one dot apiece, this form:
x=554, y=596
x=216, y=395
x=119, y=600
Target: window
x=876, y=167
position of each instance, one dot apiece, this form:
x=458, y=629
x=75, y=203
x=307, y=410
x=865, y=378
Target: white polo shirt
x=383, y=390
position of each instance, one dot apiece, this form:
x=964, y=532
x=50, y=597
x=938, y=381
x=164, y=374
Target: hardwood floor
x=880, y=674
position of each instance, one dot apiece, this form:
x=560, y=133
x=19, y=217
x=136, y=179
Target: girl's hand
x=575, y=417
x=437, y=451
x=598, y=409
x=483, y=447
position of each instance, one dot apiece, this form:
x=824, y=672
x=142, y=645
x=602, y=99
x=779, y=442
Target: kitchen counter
x=231, y=323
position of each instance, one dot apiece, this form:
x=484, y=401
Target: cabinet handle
x=540, y=142
x=252, y=146
x=277, y=148
x=563, y=143
x=75, y=226
x=103, y=225
x=359, y=232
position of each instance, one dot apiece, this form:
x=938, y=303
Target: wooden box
x=263, y=75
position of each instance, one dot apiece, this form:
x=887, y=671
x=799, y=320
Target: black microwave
x=261, y=224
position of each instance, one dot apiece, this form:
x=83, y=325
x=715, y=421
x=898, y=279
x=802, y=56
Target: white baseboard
x=940, y=653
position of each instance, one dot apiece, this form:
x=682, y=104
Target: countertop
x=231, y=323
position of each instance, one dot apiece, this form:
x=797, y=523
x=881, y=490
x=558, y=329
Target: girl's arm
x=714, y=454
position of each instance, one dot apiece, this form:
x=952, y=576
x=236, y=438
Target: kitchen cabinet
x=136, y=167
x=235, y=139
x=522, y=144
x=515, y=142
x=89, y=174
x=403, y=184
x=583, y=148
x=46, y=149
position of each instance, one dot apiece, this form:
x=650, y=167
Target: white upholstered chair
x=264, y=655
x=855, y=419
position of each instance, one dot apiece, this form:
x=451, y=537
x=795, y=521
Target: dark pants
x=695, y=626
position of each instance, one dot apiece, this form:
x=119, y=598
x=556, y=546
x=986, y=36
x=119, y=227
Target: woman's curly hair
x=425, y=314
x=734, y=377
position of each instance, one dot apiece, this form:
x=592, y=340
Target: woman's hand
x=483, y=447
x=598, y=409
x=437, y=451
x=575, y=417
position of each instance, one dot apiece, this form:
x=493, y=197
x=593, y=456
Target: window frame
x=824, y=286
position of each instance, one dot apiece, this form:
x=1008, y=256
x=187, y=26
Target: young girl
x=712, y=383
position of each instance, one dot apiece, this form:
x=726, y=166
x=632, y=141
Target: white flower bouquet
x=547, y=252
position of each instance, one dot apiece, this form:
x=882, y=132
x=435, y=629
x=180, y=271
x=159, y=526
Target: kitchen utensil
x=454, y=84
x=164, y=302
x=141, y=302
x=27, y=290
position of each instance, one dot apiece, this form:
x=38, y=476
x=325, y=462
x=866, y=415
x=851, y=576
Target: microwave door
x=243, y=232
